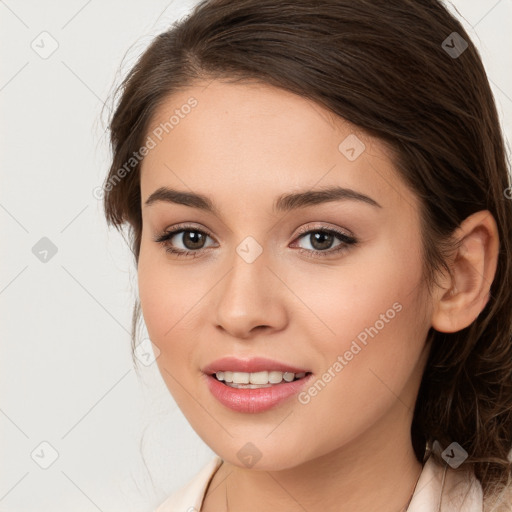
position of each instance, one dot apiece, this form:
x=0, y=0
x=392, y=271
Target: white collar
x=443, y=489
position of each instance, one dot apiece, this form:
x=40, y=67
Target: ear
x=459, y=300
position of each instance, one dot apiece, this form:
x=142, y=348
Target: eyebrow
x=284, y=203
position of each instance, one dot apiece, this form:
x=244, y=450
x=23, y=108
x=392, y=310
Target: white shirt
x=439, y=489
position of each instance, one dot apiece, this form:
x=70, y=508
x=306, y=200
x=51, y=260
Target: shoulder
x=189, y=497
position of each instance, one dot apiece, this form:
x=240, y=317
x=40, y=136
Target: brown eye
x=193, y=241
x=321, y=240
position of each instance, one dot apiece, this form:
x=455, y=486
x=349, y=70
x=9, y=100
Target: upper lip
x=255, y=364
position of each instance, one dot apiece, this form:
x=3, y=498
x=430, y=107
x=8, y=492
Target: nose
x=250, y=299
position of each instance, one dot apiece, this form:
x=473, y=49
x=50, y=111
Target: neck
x=377, y=471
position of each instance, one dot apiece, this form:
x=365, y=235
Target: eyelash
x=346, y=240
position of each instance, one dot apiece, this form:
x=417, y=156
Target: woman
x=317, y=198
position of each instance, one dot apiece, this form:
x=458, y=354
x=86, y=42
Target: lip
x=255, y=364
x=254, y=400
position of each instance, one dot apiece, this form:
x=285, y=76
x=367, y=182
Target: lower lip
x=254, y=400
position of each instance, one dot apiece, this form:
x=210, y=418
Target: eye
x=192, y=238
x=321, y=240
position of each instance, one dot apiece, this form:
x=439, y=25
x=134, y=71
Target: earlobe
x=461, y=297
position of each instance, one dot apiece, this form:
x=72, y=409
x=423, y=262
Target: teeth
x=275, y=377
x=258, y=378
x=248, y=386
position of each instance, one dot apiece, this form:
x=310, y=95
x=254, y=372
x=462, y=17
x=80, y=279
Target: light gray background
x=65, y=372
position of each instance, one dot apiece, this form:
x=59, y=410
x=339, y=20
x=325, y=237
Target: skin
x=349, y=448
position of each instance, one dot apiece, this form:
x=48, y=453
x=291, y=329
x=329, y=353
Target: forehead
x=252, y=137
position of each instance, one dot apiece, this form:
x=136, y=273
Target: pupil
x=321, y=236
x=196, y=239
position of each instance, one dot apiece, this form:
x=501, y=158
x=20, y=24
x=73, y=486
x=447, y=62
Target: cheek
x=371, y=315
x=167, y=295
x=172, y=298
x=380, y=286
x=369, y=366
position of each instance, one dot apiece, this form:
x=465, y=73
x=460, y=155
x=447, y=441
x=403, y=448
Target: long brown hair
x=398, y=71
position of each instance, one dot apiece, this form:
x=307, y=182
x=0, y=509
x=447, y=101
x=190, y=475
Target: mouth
x=258, y=390
x=256, y=380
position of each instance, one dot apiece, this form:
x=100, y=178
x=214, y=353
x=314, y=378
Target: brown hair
x=385, y=67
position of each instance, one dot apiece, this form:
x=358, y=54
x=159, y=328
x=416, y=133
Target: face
x=332, y=288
